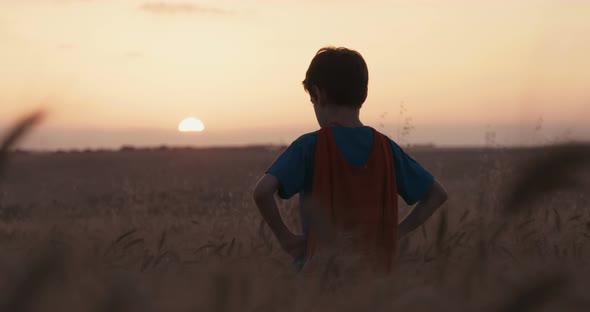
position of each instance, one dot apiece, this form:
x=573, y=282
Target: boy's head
x=337, y=76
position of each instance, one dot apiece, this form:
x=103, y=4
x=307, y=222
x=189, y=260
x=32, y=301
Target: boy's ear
x=319, y=96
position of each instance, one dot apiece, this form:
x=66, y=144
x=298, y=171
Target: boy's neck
x=344, y=116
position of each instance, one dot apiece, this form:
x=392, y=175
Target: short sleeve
x=291, y=166
x=413, y=180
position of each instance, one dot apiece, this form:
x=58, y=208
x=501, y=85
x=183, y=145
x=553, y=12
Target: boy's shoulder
x=306, y=140
x=394, y=146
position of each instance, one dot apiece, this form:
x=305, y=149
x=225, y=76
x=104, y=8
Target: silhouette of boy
x=347, y=175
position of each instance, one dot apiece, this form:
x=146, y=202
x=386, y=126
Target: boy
x=347, y=175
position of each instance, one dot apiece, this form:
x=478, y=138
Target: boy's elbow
x=441, y=193
x=444, y=196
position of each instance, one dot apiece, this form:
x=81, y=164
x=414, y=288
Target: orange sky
x=110, y=66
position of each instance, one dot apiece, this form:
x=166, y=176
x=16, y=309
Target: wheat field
x=176, y=230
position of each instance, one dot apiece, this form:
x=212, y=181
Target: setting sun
x=191, y=125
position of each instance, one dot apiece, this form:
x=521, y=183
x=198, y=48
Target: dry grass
x=175, y=230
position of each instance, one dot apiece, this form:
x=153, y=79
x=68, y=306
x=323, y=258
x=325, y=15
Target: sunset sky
x=115, y=72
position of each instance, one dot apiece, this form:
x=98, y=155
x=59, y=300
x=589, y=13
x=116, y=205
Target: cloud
x=133, y=54
x=180, y=8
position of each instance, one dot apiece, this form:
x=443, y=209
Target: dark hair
x=341, y=73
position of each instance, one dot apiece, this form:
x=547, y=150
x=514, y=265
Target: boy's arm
x=263, y=194
x=435, y=197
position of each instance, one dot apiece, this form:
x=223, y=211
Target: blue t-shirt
x=294, y=167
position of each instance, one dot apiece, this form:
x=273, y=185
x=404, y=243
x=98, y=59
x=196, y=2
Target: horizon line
x=274, y=146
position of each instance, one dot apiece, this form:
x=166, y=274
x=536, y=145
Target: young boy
x=347, y=175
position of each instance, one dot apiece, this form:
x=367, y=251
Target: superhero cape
x=359, y=203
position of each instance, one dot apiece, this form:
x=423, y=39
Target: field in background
x=176, y=230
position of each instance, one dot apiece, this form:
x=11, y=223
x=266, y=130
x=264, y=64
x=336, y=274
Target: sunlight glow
x=191, y=124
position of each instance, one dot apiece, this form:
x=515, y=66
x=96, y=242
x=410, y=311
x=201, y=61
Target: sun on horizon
x=191, y=124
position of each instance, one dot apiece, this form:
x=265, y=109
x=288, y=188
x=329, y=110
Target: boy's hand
x=294, y=245
x=402, y=230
